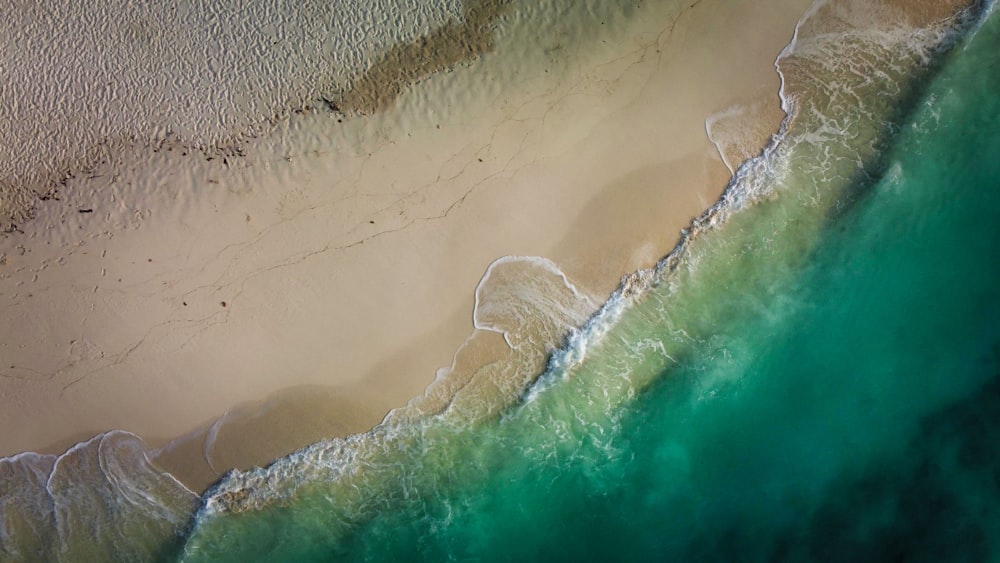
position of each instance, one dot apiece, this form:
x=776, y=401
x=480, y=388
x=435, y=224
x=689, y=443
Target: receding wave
x=544, y=377
x=100, y=501
x=849, y=77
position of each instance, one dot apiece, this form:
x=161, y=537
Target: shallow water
x=812, y=374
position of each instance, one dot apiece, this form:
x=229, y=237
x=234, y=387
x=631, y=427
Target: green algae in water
x=841, y=406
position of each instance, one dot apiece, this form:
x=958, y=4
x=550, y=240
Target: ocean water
x=812, y=374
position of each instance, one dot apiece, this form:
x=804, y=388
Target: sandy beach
x=232, y=307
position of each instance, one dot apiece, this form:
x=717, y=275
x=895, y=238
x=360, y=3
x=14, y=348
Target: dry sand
x=334, y=263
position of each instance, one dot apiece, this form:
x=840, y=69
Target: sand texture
x=320, y=270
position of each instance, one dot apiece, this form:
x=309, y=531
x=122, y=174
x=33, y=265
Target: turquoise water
x=813, y=375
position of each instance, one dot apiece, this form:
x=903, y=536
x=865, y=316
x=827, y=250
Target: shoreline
x=569, y=157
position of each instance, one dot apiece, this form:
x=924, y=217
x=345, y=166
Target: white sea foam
x=757, y=178
x=501, y=304
x=345, y=462
x=528, y=300
x=101, y=496
x=736, y=132
x=754, y=180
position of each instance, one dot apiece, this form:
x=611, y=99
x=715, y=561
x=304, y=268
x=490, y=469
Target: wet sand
x=323, y=273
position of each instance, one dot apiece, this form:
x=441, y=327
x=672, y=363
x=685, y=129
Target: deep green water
x=819, y=379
